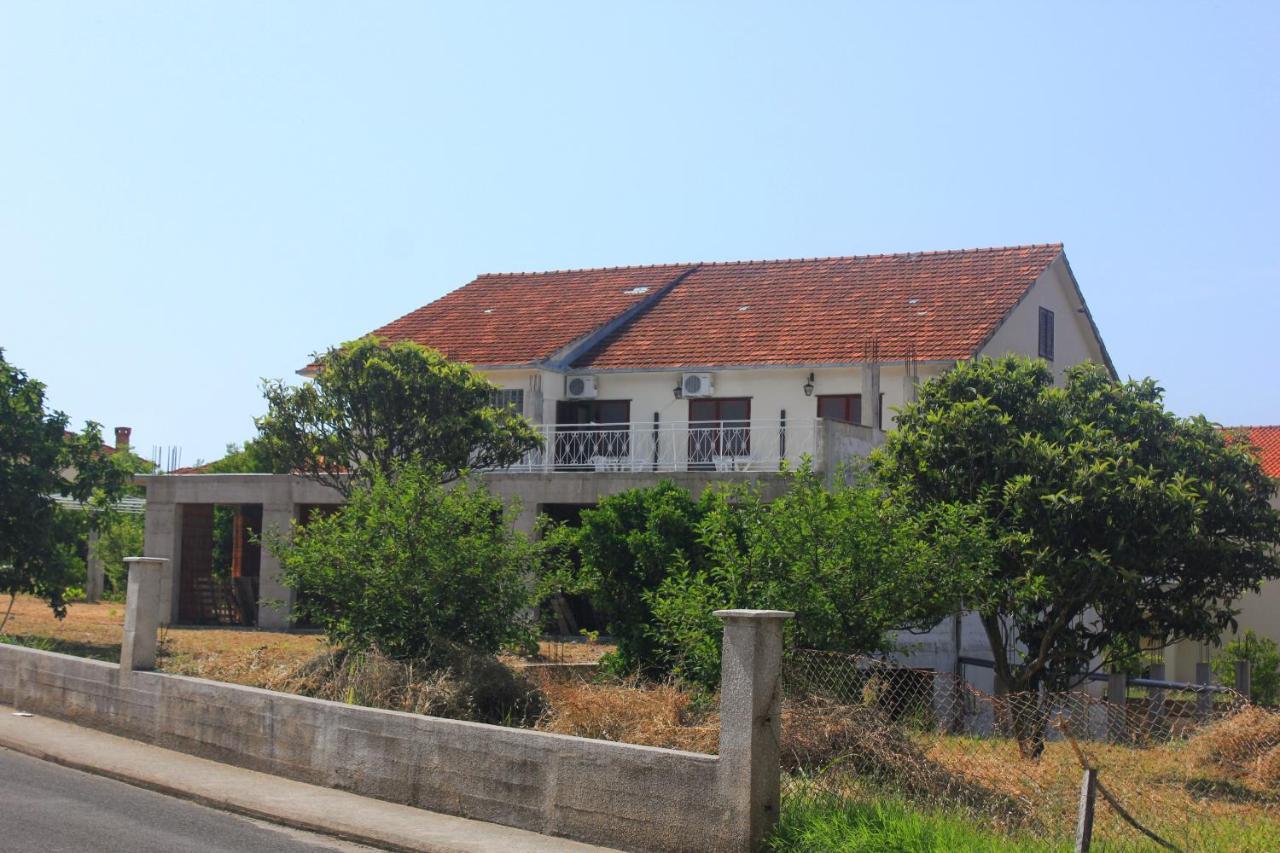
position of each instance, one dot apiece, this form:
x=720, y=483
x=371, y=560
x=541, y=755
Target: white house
x=699, y=373
x=736, y=366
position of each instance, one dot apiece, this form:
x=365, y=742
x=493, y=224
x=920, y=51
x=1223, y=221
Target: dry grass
x=651, y=715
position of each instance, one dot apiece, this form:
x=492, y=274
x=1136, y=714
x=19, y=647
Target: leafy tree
x=375, y=405
x=252, y=458
x=627, y=546
x=1110, y=520
x=120, y=535
x=38, y=460
x=851, y=567
x=409, y=566
x=1263, y=656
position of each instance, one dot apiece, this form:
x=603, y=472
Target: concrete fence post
x=750, y=724
x=1156, y=710
x=141, y=613
x=94, y=572
x=1244, y=678
x=1117, y=706
x=1204, y=696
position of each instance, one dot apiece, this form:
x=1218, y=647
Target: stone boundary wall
x=612, y=794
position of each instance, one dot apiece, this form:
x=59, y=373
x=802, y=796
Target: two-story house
x=699, y=372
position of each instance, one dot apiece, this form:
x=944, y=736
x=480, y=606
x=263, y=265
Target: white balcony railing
x=754, y=445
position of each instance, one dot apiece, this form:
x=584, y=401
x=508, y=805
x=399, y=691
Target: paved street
x=45, y=807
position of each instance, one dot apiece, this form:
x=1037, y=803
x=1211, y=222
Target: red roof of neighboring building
x=1267, y=440
x=922, y=305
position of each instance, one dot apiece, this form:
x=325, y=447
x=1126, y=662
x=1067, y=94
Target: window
x=508, y=398
x=840, y=407
x=1046, y=334
x=718, y=428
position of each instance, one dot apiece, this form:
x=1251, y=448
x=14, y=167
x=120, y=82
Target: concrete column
x=141, y=613
x=750, y=724
x=94, y=580
x=275, y=600
x=163, y=539
x=1244, y=679
x=1117, y=705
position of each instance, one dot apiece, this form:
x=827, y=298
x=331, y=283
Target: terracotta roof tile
x=930, y=306
x=926, y=305
x=1267, y=440
x=521, y=318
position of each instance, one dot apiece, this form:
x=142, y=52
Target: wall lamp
x=808, y=386
x=678, y=390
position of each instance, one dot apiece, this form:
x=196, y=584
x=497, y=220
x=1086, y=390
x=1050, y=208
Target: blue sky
x=193, y=197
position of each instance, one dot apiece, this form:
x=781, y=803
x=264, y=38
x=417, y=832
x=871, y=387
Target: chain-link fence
x=1192, y=768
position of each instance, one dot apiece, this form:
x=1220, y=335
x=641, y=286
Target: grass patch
x=815, y=825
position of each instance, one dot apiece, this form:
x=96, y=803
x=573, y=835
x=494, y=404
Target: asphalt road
x=47, y=808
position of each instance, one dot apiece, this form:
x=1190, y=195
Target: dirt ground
x=238, y=655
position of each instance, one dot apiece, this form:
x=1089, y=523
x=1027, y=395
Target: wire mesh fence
x=1187, y=769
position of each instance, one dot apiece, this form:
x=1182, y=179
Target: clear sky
x=195, y=196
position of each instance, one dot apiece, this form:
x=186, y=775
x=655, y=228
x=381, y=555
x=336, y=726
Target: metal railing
x=731, y=445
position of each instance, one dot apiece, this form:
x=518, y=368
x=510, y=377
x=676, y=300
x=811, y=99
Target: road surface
x=47, y=808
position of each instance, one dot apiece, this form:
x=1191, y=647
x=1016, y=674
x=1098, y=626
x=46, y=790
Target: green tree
x=627, y=546
x=408, y=566
x=1110, y=520
x=39, y=459
x=850, y=565
x=252, y=458
x=1263, y=656
x=374, y=405
x=120, y=535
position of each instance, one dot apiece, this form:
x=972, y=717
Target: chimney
x=122, y=437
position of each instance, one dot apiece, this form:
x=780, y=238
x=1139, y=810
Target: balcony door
x=719, y=431
x=590, y=433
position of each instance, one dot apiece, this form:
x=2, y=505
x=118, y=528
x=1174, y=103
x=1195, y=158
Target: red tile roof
x=1267, y=440
x=522, y=318
x=930, y=306
x=926, y=305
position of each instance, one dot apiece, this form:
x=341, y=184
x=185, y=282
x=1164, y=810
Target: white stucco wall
x=1259, y=611
x=1074, y=340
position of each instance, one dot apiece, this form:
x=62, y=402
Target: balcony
x=669, y=446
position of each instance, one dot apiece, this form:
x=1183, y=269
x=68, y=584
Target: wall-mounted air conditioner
x=580, y=387
x=697, y=385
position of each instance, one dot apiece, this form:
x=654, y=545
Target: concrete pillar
x=1244, y=678
x=141, y=613
x=1117, y=706
x=95, y=572
x=163, y=539
x=275, y=599
x=750, y=718
x=871, y=396
x=1204, y=698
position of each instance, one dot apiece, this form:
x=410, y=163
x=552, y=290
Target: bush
x=849, y=566
x=409, y=567
x=628, y=545
x=1264, y=666
x=454, y=682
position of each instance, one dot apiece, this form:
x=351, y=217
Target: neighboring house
x=1259, y=611
x=698, y=373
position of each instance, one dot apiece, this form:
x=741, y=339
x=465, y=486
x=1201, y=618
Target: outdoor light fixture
x=808, y=386
x=678, y=390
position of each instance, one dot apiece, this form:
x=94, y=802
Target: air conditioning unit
x=697, y=385
x=580, y=387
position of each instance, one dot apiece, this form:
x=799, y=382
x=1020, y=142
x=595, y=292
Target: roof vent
x=636, y=291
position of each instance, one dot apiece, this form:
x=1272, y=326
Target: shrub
x=628, y=545
x=120, y=535
x=850, y=567
x=1264, y=666
x=408, y=566
x=454, y=682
